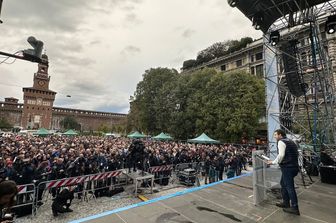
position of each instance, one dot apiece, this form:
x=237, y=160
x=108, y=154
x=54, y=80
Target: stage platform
x=227, y=201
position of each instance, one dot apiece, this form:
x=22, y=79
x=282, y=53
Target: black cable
x=4, y=61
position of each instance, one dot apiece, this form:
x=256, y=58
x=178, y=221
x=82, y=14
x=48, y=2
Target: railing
x=161, y=174
x=90, y=186
x=26, y=196
x=85, y=185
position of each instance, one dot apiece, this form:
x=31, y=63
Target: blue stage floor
x=229, y=201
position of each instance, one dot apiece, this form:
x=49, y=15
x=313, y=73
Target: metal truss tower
x=298, y=67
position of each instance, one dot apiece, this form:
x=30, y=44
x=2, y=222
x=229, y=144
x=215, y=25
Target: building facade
x=38, y=111
x=249, y=59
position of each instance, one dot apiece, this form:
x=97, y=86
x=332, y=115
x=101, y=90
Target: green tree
x=188, y=64
x=217, y=50
x=233, y=105
x=146, y=105
x=103, y=128
x=4, y=124
x=69, y=122
x=227, y=106
x=190, y=90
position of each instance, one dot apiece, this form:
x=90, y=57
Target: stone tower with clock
x=38, y=100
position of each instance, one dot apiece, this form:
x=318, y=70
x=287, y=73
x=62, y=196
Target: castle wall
x=89, y=120
x=11, y=112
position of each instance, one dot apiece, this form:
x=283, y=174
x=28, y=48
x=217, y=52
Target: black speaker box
x=293, y=79
x=328, y=174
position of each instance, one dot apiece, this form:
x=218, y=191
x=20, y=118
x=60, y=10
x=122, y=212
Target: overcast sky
x=99, y=49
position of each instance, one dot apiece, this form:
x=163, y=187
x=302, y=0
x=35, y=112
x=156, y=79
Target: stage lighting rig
x=274, y=38
x=257, y=20
x=331, y=24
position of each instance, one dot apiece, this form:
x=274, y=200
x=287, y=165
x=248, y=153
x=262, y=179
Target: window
x=31, y=102
x=46, y=103
x=252, y=58
x=239, y=63
x=223, y=67
x=259, y=56
x=252, y=71
x=260, y=70
x=37, y=118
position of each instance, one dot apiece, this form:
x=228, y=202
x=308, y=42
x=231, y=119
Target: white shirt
x=281, y=155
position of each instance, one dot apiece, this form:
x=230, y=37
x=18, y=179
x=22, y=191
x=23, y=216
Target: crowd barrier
x=87, y=185
x=73, y=181
x=162, y=174
x=26, y=196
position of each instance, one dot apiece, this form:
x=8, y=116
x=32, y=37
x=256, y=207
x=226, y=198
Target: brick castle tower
x=38, y=100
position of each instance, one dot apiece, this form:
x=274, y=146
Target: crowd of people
x=32, y=160
x=35, y=159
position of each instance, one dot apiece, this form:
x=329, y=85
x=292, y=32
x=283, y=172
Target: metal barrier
x=26, y=196
x=89, y=184
x=161, y=172
x=101, y=181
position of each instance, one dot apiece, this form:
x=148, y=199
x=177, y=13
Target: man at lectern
x=288, y=162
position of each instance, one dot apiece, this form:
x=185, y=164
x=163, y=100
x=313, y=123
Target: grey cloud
x=80, y=61
x=188, y=33
x=86, y=94
x=45, y=14
x=58, y=15
x=96, y=47
x=80, y=85
x=130, y=50
x=94, y=42
x=132, y=19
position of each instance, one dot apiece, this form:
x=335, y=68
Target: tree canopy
x=217, y=50
x=4, y=124
x=226, y=106
x=69, y=122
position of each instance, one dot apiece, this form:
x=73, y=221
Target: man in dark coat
x=62, y=202
x=289, y=165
